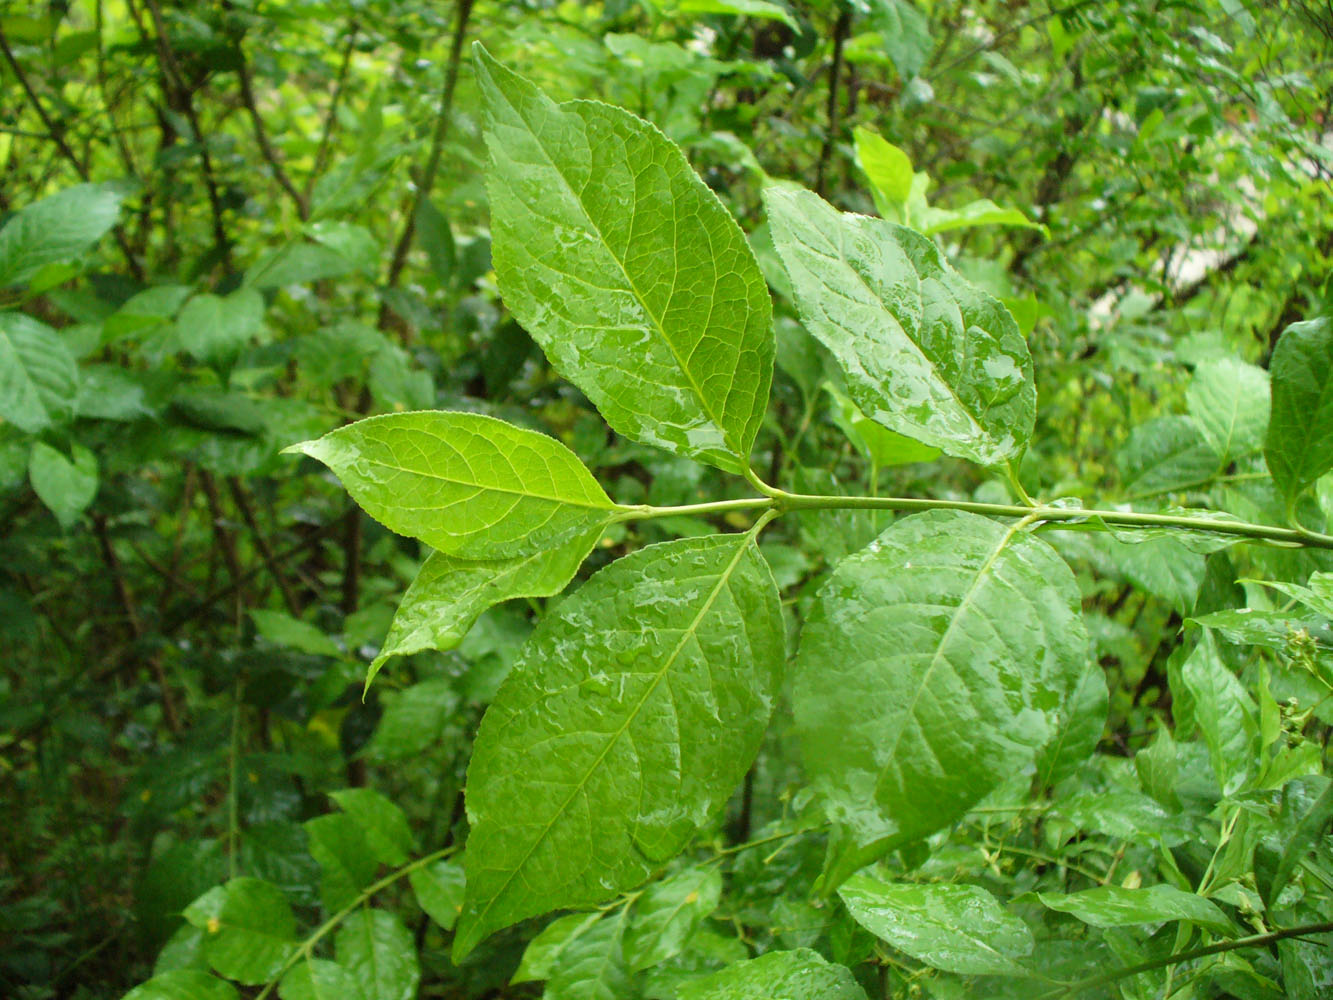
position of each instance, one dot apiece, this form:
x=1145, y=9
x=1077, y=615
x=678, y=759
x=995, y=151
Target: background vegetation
x=296, y=235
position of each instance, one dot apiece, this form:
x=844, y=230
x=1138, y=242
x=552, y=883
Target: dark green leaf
x=957, y=928
x=627, y=721
x=383, y=823
x=627, y=270
x=1112, y=906
x=378, y=952
x=668, y=913
x=934, y=665
x=183, y=984
x=1299, y=446
x=925, y=353
x=466, y=484
x=249, y=926
x=319, y=979
x=439, y=890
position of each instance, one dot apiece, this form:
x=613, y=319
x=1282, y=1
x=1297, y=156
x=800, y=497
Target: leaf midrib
x=723, y=578
x=528, y=494
x=638, y=296
x=963, y=607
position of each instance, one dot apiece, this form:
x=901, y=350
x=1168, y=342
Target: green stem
x=782, y=501
x=1253, y=941
x=322, y=932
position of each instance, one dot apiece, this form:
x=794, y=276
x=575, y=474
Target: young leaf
x=38, y=376
x=934, y=664
x=957, y=928
x=183, y=984
x=67, y=488
x=249, y=926
x=792, y=975
x=439, y=891
x=544, y=951
x=591, y=965
x=379, y=954
x=57, y=229
x=319, y=979
x=631, y=714
x=1113, y=906
x=925, y=353
x=215, y=329
x=383, y=823
x=627, y=270
x=1299, y=446
x=668, y=913
x=466, y=484
x=449, y=593
x=1229, y=401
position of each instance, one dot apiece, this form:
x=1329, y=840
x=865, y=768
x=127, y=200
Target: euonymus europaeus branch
x=937, y=660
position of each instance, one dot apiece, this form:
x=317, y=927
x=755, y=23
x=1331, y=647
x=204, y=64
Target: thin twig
x=841, y=28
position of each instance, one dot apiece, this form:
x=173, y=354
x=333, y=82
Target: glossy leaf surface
x=379, y=954
x=56, y=230
x=1229, y=401
x=793, y=975
x=924, y=352
x=957, y=928
x=439, y=891
x=38, y=377
x=935, y=663
x=466, y=484
x=249, y=929
x=668, y=913
x=183, y=984
x=627, y=270
x=1299, y=446
x=628, y=719
x=449, y=593
x=319, y=979
x=1114, y=906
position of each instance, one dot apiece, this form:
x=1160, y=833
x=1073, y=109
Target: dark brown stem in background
x=841, y=28
x=351, y=595
x=331, y=115
x=57, y=136
x=261, y=541
x=180, y=97
x=426, y=179
x=226, y=540
x=261, y=133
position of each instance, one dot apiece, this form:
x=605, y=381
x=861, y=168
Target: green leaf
x=792, y=975
x=249, y=926
x=298, y=264
x=414, y=719
x=1166, y=455
x=183, y=984
x=627, y=270
x=319, y=979
x=1112, y=906
x=591, y=965
x=982, y=212
x=628, y=719
x=383, y=823
x=888, y=169
x=67, y=488
x=876, y=442
x=1229, y=402
x=449, y=593
x=543, y=952
x=439, y=890
x=466, y=484
x=925, y=353
x=934, y=665
x=957, y=928
x=1302, y=831
x=668, y=913
x=905, y=33
x=38, y=375
x=1299, y=446
x=762, y=9
x=339, y=845
x=379, y=954
x=284, y=630
x=215, y=329
x=1082, y=719
x=56, y=230
x=1225, y=714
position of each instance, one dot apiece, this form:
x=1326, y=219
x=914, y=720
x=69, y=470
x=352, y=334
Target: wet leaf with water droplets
x=792, y=975
x=956, y=928
x=466, y=484
x=627, y=270
x=925, y=352
x=1299, y=446
x=628, y=719
x=935, y=664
